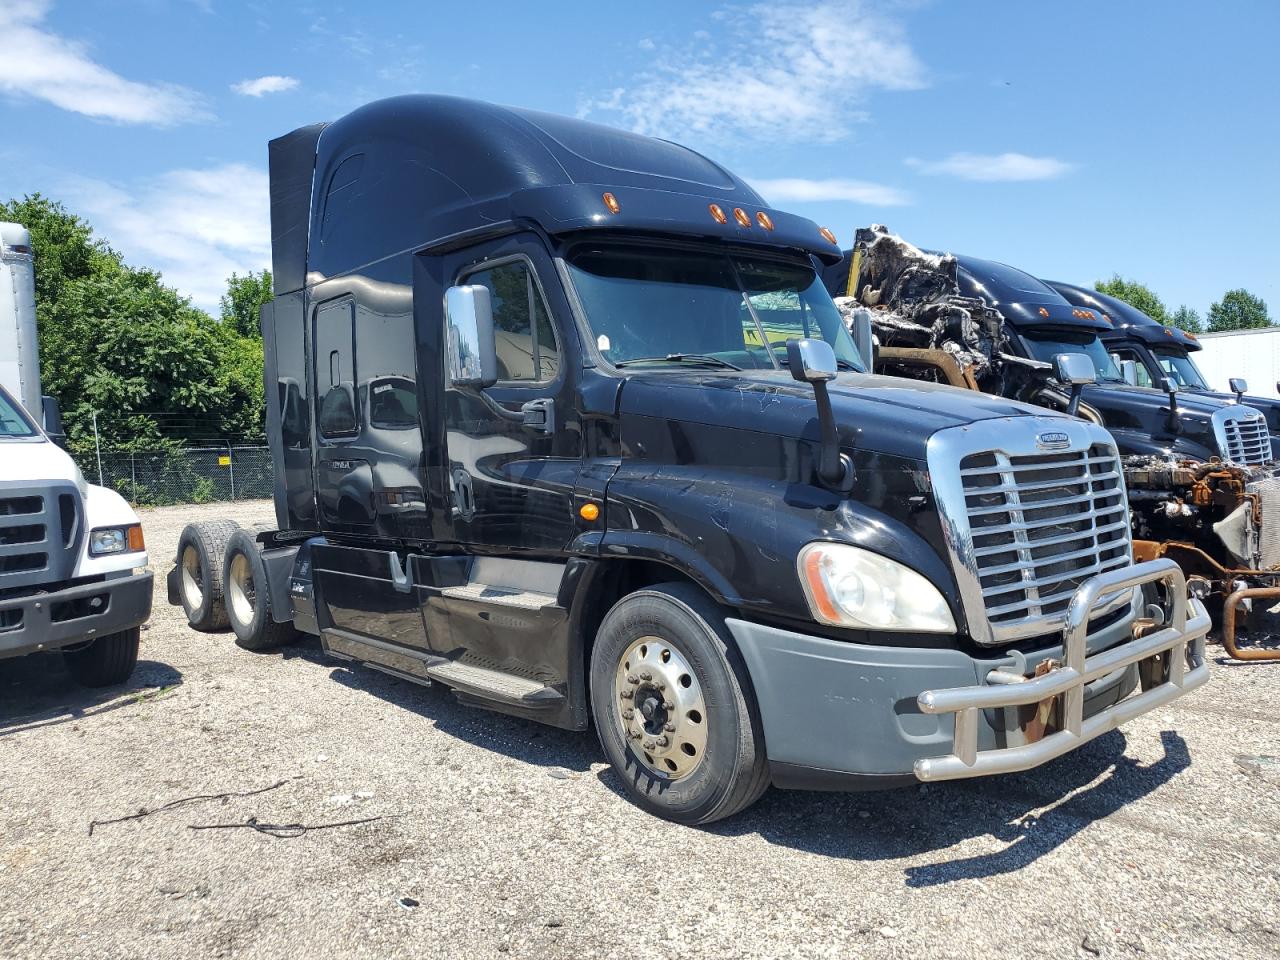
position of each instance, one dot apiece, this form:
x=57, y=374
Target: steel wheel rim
x=660, y=708
x=191, y=574
x=240, y=590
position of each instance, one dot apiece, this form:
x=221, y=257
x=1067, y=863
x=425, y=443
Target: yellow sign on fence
x=224, y=461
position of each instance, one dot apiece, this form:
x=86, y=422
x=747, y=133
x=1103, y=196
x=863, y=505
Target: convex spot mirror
x=1129, y=371
x=469, y=339
x=811, y=361
x=1074, y=368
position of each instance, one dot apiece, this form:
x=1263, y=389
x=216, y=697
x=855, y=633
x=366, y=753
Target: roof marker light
x=764, y=220
x=1044, y=312
x=717, y=213
x=611, y=202
x=828, y=236
x=743, y=218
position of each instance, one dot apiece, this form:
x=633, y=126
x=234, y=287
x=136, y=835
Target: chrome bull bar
x=1183, y=636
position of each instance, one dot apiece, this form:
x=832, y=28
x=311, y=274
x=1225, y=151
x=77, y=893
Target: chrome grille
x=1027, y=526
x=1242, y=435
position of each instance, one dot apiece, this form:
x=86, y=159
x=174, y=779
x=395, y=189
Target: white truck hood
x=30, y=460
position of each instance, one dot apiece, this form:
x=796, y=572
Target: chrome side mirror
x=1129, y=370
x=864, y=337
x=811, y=361
x=470, y=347
x=1075, y=370
x=1239, y=386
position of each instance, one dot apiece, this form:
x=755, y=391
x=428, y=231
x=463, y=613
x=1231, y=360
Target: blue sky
x=1072, y=140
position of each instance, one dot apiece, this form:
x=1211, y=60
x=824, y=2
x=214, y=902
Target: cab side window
x=527, y=349
x=335, y=371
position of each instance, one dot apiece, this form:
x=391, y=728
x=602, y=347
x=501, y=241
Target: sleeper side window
x=335, y=371
x=527, y=349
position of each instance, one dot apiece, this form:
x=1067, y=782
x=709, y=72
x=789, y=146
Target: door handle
x=539, y=415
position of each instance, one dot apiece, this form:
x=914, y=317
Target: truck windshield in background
x=653, y=304
x=1180, y=367
x=1047, y=344
x=13, y=422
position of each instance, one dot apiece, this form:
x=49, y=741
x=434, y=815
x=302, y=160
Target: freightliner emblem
x=1052, y=441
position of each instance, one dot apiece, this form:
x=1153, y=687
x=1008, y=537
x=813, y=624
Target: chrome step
x=493, y=684
x=499, y=596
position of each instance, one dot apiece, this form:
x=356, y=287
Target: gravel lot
x=507, y=838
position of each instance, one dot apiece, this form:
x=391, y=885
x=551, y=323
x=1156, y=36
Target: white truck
x=72, y=556
x=1252, y=355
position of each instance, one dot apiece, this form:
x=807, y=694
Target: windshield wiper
x=699, y=358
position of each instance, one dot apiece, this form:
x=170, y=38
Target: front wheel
x=673, y=706
x=106, y=661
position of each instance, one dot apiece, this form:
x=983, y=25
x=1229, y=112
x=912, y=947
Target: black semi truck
x=564, y=419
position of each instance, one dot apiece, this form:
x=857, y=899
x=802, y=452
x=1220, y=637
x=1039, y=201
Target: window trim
x=479, y=267
x=345, y=437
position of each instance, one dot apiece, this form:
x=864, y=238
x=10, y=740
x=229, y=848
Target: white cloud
x=41, y=64
x=262, y=85
x=993, y=166
x=195, y=226
x=782, y=70
x=795, y=189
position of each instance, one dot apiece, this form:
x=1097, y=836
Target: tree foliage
x=1238, y=310
x=115, y=341
x=1136, y=295
x=244, y=298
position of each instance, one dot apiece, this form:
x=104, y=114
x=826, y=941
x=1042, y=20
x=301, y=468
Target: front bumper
x=852, y=716
x=61, y=618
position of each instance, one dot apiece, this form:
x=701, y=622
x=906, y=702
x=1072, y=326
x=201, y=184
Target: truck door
x=511, y=483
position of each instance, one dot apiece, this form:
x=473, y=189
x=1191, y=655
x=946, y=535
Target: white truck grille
x=39, y=533
x=1028, y=525
x=1242, y=435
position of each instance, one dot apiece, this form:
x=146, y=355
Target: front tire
x=247, y=596
x=674, y=709
x=106, y=661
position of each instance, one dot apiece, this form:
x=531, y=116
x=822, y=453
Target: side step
x=479, y=683
x=483, y=593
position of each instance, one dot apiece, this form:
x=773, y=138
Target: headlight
x=108, y=540
x=847, y=586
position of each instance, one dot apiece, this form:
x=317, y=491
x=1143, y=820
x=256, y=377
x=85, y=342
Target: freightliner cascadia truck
x=72, y=558
x=564, y=419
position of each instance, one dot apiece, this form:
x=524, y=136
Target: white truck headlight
x=108, y=540
x=847, y=586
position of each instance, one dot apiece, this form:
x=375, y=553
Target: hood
x=1142, y=412
x=29, y=459
x=890, y=415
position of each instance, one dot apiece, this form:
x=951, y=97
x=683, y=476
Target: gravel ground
x=502, y=837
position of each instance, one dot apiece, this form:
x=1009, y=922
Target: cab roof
x=1126, y=320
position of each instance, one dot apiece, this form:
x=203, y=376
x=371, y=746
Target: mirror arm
x=835, y=469
x=1073, y=406
x=1173, y=424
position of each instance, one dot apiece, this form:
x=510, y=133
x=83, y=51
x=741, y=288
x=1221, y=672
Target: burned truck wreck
x=1201, y=474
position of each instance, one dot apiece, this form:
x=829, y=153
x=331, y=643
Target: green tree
x=1238, y=310
x=244, y=298
x=1184, y=318
x=1135, y=294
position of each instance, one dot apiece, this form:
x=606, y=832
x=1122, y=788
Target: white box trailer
x=1251, y=354
x=19, y=348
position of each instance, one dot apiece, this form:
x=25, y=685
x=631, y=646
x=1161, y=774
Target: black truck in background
x=629, y=469
x=1200, y=469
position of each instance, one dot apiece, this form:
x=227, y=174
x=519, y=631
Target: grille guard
x=1188, y=623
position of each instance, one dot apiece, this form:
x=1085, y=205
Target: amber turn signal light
x=717, y=213
x=589, y=512
x=828, y=236
x=611, y=202
x=136, y=542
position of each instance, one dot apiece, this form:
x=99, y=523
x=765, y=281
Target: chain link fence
x=197, y=474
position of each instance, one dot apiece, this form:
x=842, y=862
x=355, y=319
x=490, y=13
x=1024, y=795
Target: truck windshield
x=703, y=308
x=1180, y=367
x=1047, y=344
x=13, y=422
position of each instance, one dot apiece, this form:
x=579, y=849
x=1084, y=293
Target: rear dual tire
x=201, y=549
x=674, y=709
x=247, y=596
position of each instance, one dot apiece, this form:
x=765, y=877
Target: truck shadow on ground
x=523, y=740
x=37, y=691
x=915, y=821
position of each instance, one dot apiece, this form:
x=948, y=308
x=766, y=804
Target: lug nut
x=659, y=684
x=627, y=694
x=646, y=675
x=668, y=705
x=628, y=713
x=633, y=679
x=633, y=734
x=662, y=741
x=670, y=728
x=649, y=744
